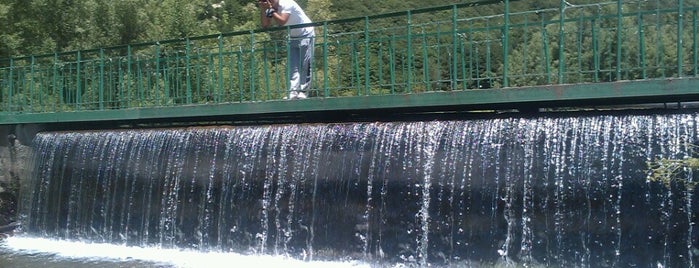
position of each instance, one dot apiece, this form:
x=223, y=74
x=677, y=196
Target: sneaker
x=292, y=95
x=301, y=95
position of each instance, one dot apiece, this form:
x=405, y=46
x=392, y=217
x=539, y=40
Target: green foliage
x=672, y=171
x=541, y=49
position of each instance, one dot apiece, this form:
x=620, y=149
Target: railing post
x=325, y=59
x=287, y=70
x=392, y=63
x=471, y=53
x=410, y=53
x=366, y=55
x=31, y=83
x=252, y=67
x=425, y=62
x=455, y=41
x=506, y=46
x=219, y=96
x=11, y=85
x=55, y=76
x=547, y=57
x=618, y=39
x=694, y=40
x=642, y=45
x=355, y=67
x=659, y=37
x=680, y=16
x=561, y=41
x=188, y=70
x=166, y=91
x=78, y=99
x=129, y=76
x=241, y=73
x=101, y=82
x=265, y=72
x=595, y=46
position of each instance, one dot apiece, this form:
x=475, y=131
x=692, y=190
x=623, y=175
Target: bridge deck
x=427, y=60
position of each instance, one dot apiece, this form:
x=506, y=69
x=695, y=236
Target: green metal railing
x=480, y=45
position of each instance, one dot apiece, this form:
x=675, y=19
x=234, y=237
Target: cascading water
x=561, y=191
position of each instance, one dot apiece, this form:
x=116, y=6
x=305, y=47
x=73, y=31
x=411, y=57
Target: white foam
x=175, y=257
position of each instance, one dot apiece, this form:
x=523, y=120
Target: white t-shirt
x=296, y=16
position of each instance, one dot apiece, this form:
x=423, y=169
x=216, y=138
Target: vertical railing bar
x=120, y=81
x=101, y=81
x=188, y=70
x=338, y=70
x=366, y=56
x=202, y=67
x=454, y=52
x=694, y=42
x=219, y=94
x=581, y=74
x=241, y=76
x=265, y=59
x=658, y=40
x=11, y=89
x=326, y=82
x=488, y=55
x=618, y=40
x=473, y=57
x=392, y=63
x=166, y=76
x=252, y=66
x=506, y=46
x=470, y=52
x=276, y=74
x=547, y=58
x=55, y=76
x=128, y=76
x=680, y=18
x=355, y=67
x=409, y=88
x=78, y=99
x=462, y=48
x=157, y=96
x=642, y=46
x=379, y=70
x=288, y=57
x=426, y=62
x=595, y=47
x=525, y=47
x=561, y=41
x=31, y=83
x=438, y=54
x=140, y=83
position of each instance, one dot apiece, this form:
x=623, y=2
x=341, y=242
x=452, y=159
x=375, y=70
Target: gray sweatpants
x=300, y=57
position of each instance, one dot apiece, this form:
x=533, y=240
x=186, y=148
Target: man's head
x=265, y=3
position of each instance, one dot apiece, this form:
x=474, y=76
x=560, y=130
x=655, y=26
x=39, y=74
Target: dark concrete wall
x=15, y=142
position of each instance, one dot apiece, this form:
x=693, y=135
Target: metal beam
x=613, y=93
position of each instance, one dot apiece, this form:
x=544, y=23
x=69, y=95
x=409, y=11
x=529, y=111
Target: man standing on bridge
x=302, y=41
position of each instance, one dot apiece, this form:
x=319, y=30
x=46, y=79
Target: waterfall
x=551, y=191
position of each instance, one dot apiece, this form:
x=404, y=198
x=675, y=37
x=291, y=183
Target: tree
x=10, y=40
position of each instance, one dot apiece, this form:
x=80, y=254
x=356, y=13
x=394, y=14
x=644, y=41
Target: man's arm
x=280, y=18
x=264, y=20
x=274, y=16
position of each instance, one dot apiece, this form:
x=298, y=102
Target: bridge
x=434, y=60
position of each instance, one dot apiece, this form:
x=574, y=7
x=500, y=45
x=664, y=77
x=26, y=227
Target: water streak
x=559, y=191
